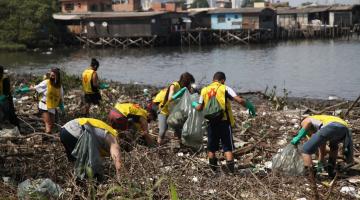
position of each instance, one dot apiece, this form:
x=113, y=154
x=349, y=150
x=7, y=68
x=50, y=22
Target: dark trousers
x=9, y=110
x=69, y=142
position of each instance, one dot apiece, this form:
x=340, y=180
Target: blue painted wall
x=232, y=21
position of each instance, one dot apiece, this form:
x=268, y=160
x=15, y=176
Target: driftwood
x=31, y=135
x=352, y=106
x=250, y=147
x=147, y=172
x=325, y=109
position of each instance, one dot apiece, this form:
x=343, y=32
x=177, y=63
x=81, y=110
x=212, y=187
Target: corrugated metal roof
x=314, y=9
x=342, y=8
x=237, y=10
x=122, y=14
x=101, y=15
x=287, y=11
x=310, y=9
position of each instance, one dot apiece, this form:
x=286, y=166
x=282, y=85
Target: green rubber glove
x=2, y=98
x=194, y=104
x=103, y=86
x=23, y=90
x=302, y=133
x=251, y=107
x=62, y=107
x=320, y=167
x=179, y=93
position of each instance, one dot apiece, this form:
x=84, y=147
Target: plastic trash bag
x=289, y=161
x=39, y=189
x=88, y=160
x=9, y=131
x=180, y=112
x=193, y=129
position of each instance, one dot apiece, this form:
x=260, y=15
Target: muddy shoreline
x=148, y=172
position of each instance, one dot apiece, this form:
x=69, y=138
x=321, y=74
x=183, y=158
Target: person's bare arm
x=145, y=131
x=171, y=92
x=95, y=80
x=114, y=152
x=239, y=100
x=144, y=125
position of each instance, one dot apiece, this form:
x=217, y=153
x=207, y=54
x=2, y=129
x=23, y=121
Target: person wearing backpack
x=215, y=103
x=164, y=98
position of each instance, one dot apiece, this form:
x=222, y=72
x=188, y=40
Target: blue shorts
x=334, y=133
x=220, y=132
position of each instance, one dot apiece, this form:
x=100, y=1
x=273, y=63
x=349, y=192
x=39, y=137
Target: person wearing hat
x=124, y=116
x=90, y=84
x=51, y=97
x=6, y=99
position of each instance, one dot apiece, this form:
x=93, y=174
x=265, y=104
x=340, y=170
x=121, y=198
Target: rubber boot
x=230, y=164
x=330, y=168
x=213, y=163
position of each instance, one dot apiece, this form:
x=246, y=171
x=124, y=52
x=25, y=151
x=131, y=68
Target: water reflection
x=306, y=68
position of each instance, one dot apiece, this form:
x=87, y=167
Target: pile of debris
x=166, y=172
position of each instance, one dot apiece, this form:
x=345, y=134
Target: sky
x=298, y=2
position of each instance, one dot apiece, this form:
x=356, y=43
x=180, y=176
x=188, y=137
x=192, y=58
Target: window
x=120, y=1
x=94, y=7
x=69, y=6
x=221, y=18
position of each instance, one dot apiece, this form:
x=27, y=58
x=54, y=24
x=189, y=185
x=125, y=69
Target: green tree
x=27, y=21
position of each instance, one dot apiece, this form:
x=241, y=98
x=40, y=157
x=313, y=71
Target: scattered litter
x=349, y=190
x=240, y=144
x=6, y=179
x=354, y=180
x=212, y=191
x=294, y=121
x=332, y=97
x=24, y=98
x=282, y=128
x=281, y=142
x=39, y=189
x=268, y=165
x=14, y=132
x=166, y=169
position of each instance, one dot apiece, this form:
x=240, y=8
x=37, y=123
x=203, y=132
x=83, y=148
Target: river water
x=314, y=69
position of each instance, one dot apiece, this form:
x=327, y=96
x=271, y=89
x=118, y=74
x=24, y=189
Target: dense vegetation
x=27, y=23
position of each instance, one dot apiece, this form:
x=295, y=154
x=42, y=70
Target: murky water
x=307, y=68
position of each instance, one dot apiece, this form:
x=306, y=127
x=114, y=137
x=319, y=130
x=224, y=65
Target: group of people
x=128, y=115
